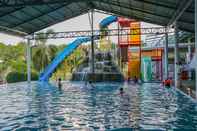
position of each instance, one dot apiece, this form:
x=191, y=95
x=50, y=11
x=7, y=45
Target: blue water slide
x=45, y=75
x=107, y=21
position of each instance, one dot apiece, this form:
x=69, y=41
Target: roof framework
x=23, y=17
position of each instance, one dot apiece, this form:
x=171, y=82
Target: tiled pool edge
x=191, y=98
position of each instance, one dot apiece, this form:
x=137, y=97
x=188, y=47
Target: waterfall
x=83, y=78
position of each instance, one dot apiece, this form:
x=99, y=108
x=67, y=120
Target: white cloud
x=9, y=39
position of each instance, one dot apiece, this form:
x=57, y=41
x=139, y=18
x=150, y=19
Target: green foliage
x=43, y=54
x=70, y=63
x=13, y=65
x=13, y=77
x=12, y=58
x=19, y=66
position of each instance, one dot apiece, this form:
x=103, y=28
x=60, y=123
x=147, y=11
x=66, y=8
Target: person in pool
x=60, y=83
x=168, y=82
x=135, y=80
x=91, y=84
x=121, y=91
x=128, y=80
x=88, y=83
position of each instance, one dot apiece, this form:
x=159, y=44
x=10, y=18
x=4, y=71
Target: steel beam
x=19, y=3
x=166, y=56
x=92, y=41
x=144, y=11
x=176, y=58
x=28, y=61
x=196, y=44
x=179, y=12
x=11, y=31
x=110, y=32
x=189, y=59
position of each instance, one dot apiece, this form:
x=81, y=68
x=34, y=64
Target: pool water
x=77, y=107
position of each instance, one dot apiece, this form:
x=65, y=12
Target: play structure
x=132, y=58
x=153, y=59
x=46, y=74
x=140, y=62
x=136, y=61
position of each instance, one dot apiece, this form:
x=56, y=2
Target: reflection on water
x=78, y=107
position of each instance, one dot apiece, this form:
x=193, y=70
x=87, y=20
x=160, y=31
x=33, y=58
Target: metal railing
x=99, y=33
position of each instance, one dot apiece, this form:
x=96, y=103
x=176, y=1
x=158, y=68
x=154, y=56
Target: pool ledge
x=192, y=99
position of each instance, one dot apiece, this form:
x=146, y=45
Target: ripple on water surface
x=76, y=107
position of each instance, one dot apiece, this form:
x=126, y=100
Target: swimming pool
x=79, y=108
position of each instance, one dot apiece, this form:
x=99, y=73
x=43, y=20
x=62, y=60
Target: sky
x=74, y=24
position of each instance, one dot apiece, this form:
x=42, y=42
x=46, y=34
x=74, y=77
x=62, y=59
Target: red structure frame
x=124, y=23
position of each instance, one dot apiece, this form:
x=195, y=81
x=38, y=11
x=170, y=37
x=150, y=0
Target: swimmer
x=88, y=83
x=121, y=91
x=135, y=80
x=167, y=83
x=60, y=83
x=128, y=80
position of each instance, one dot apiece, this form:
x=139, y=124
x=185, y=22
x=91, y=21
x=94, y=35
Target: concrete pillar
x=28, y=61
x=166, y=56
x=196, y=42
x=92, y=41
x=176, y=57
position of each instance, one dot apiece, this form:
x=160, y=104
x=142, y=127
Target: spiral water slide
x=48, y=71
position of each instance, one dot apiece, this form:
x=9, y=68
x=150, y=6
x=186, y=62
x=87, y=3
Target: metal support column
x=189, y=58
x=28, y=61
x=166, y=56
x=196, y=43
x=92, y=41
x=176, y=57
x=118, y=47
x=189, y=52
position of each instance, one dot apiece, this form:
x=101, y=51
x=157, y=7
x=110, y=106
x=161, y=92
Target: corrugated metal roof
x=32, y=15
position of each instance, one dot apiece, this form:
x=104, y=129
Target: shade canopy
x=23, y=17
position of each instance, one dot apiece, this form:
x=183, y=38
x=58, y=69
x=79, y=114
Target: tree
x=43, y=53
x=12, y=58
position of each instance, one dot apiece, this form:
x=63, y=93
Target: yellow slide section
x=135, y=37
x=134, y=68
x=134, y=64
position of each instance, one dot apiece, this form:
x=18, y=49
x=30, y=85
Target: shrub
x=13, y=77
